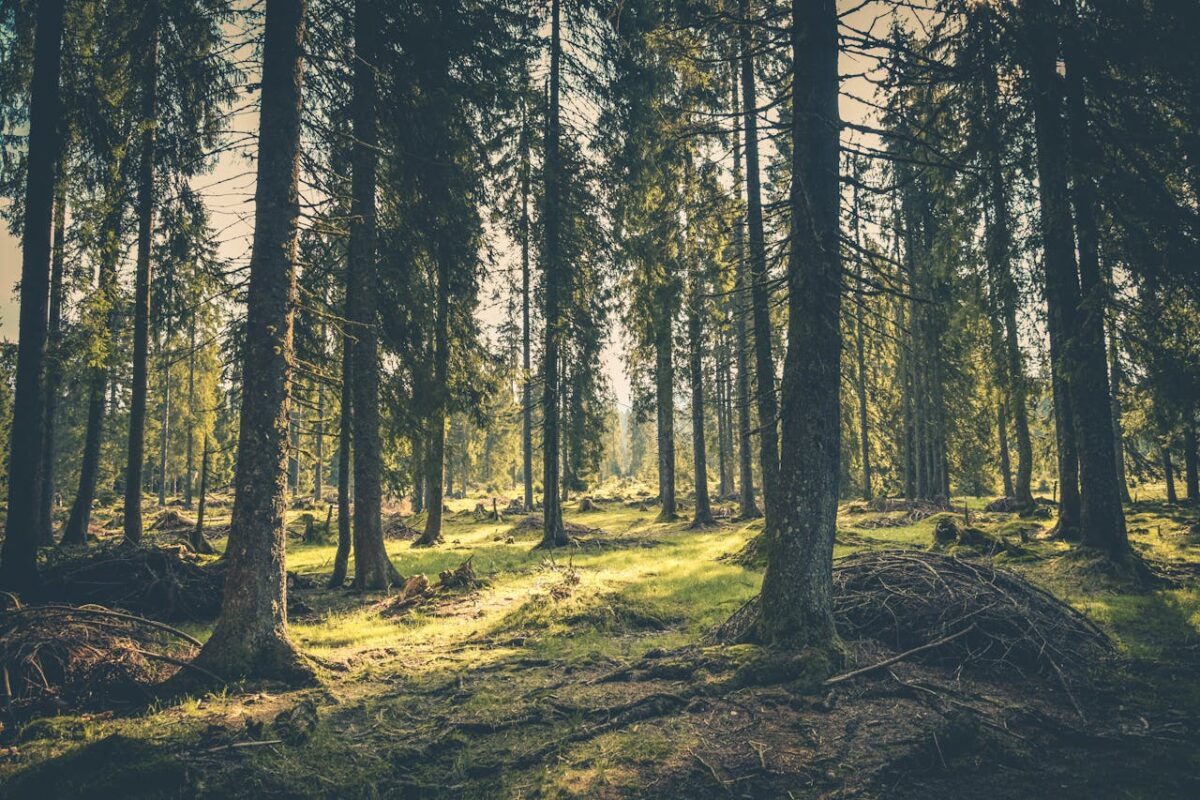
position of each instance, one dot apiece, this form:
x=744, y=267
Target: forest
x=600, y=399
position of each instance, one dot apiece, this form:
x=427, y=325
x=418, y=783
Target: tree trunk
x=45, y=521
x=1084, y=366
x=435, y=451
x=1102, y=516
x=553, y=532
x=341, y=557
x=1067, y=526
x=1168, y=471
x=1191, y=470
x=189, y=468
x=250, y=638
x=319, y=440
x=18, y=557
x=702, y=517
x=764, y=361
x=860, y=354
x=1005, y=462
x=164, y=423
x=372, y=570
x=79, y=520
x=664, y=393
x=797, y=590
x=724, y=440
x=141, y=300
x=199, y=543
x=526, y=364
x=747, y=507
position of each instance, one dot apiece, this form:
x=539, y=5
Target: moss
x=806, y=670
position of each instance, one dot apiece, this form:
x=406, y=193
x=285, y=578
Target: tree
x=250, y=637
x=797, y=592
x=18, y=558
x=553, y=532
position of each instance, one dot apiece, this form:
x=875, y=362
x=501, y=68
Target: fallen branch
x=887, y=662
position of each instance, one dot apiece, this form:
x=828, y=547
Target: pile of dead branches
x=979, y=617
x=163, y=582
x=905, y=599
x=394, y=527
x=534, y=522
x=57, y=657
x=172, y=521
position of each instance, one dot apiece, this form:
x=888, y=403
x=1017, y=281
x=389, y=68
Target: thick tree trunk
x=1102, y=516
x=141, y=299
x=341, y=557
x=797, y=590
x=1084, y=367
x=747, y=507
x=45, y=520
x=1005, y=463
x=372, y=570
x=553, y=532
x=18, y=557
x=250, y=638
x=1067, y=526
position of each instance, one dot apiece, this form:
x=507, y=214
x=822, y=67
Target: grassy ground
x=505, y=690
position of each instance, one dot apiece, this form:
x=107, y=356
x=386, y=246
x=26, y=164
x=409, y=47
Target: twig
x=887, y=662
x=179, y=663
x=108, y=612
x=240, y=745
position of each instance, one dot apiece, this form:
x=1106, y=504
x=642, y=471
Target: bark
x=164, y=423
x=1102, y=516
x=527, y=370
x=1191, y=470
x=664, y=393
x=435, y=446
x=1083, y=363
x=1067, y=526
x=371, y=565
x=860, y=374
x=79, y=520
x=250, y=638
x=341, y=557
x=703, y=516
x=189, y=455
x=764, y=361
x=199, y=543
x=553, y=532
x=1005, y=463
x=141, y=300
x=18, y=557
x=319, y=440
x=797, y=591
x=1168, y=472
x=724, y=441
x=45, y=520
x=747, y=507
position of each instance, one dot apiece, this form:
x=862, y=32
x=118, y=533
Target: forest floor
x=584, y=673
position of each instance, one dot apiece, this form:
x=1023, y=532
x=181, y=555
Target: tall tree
x=250, y=637
x=18, y=557
x=372, y=570
x=764, y=361
x=797, y=591
x=148, y=42
x=553, y=532
x=1081, y=362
